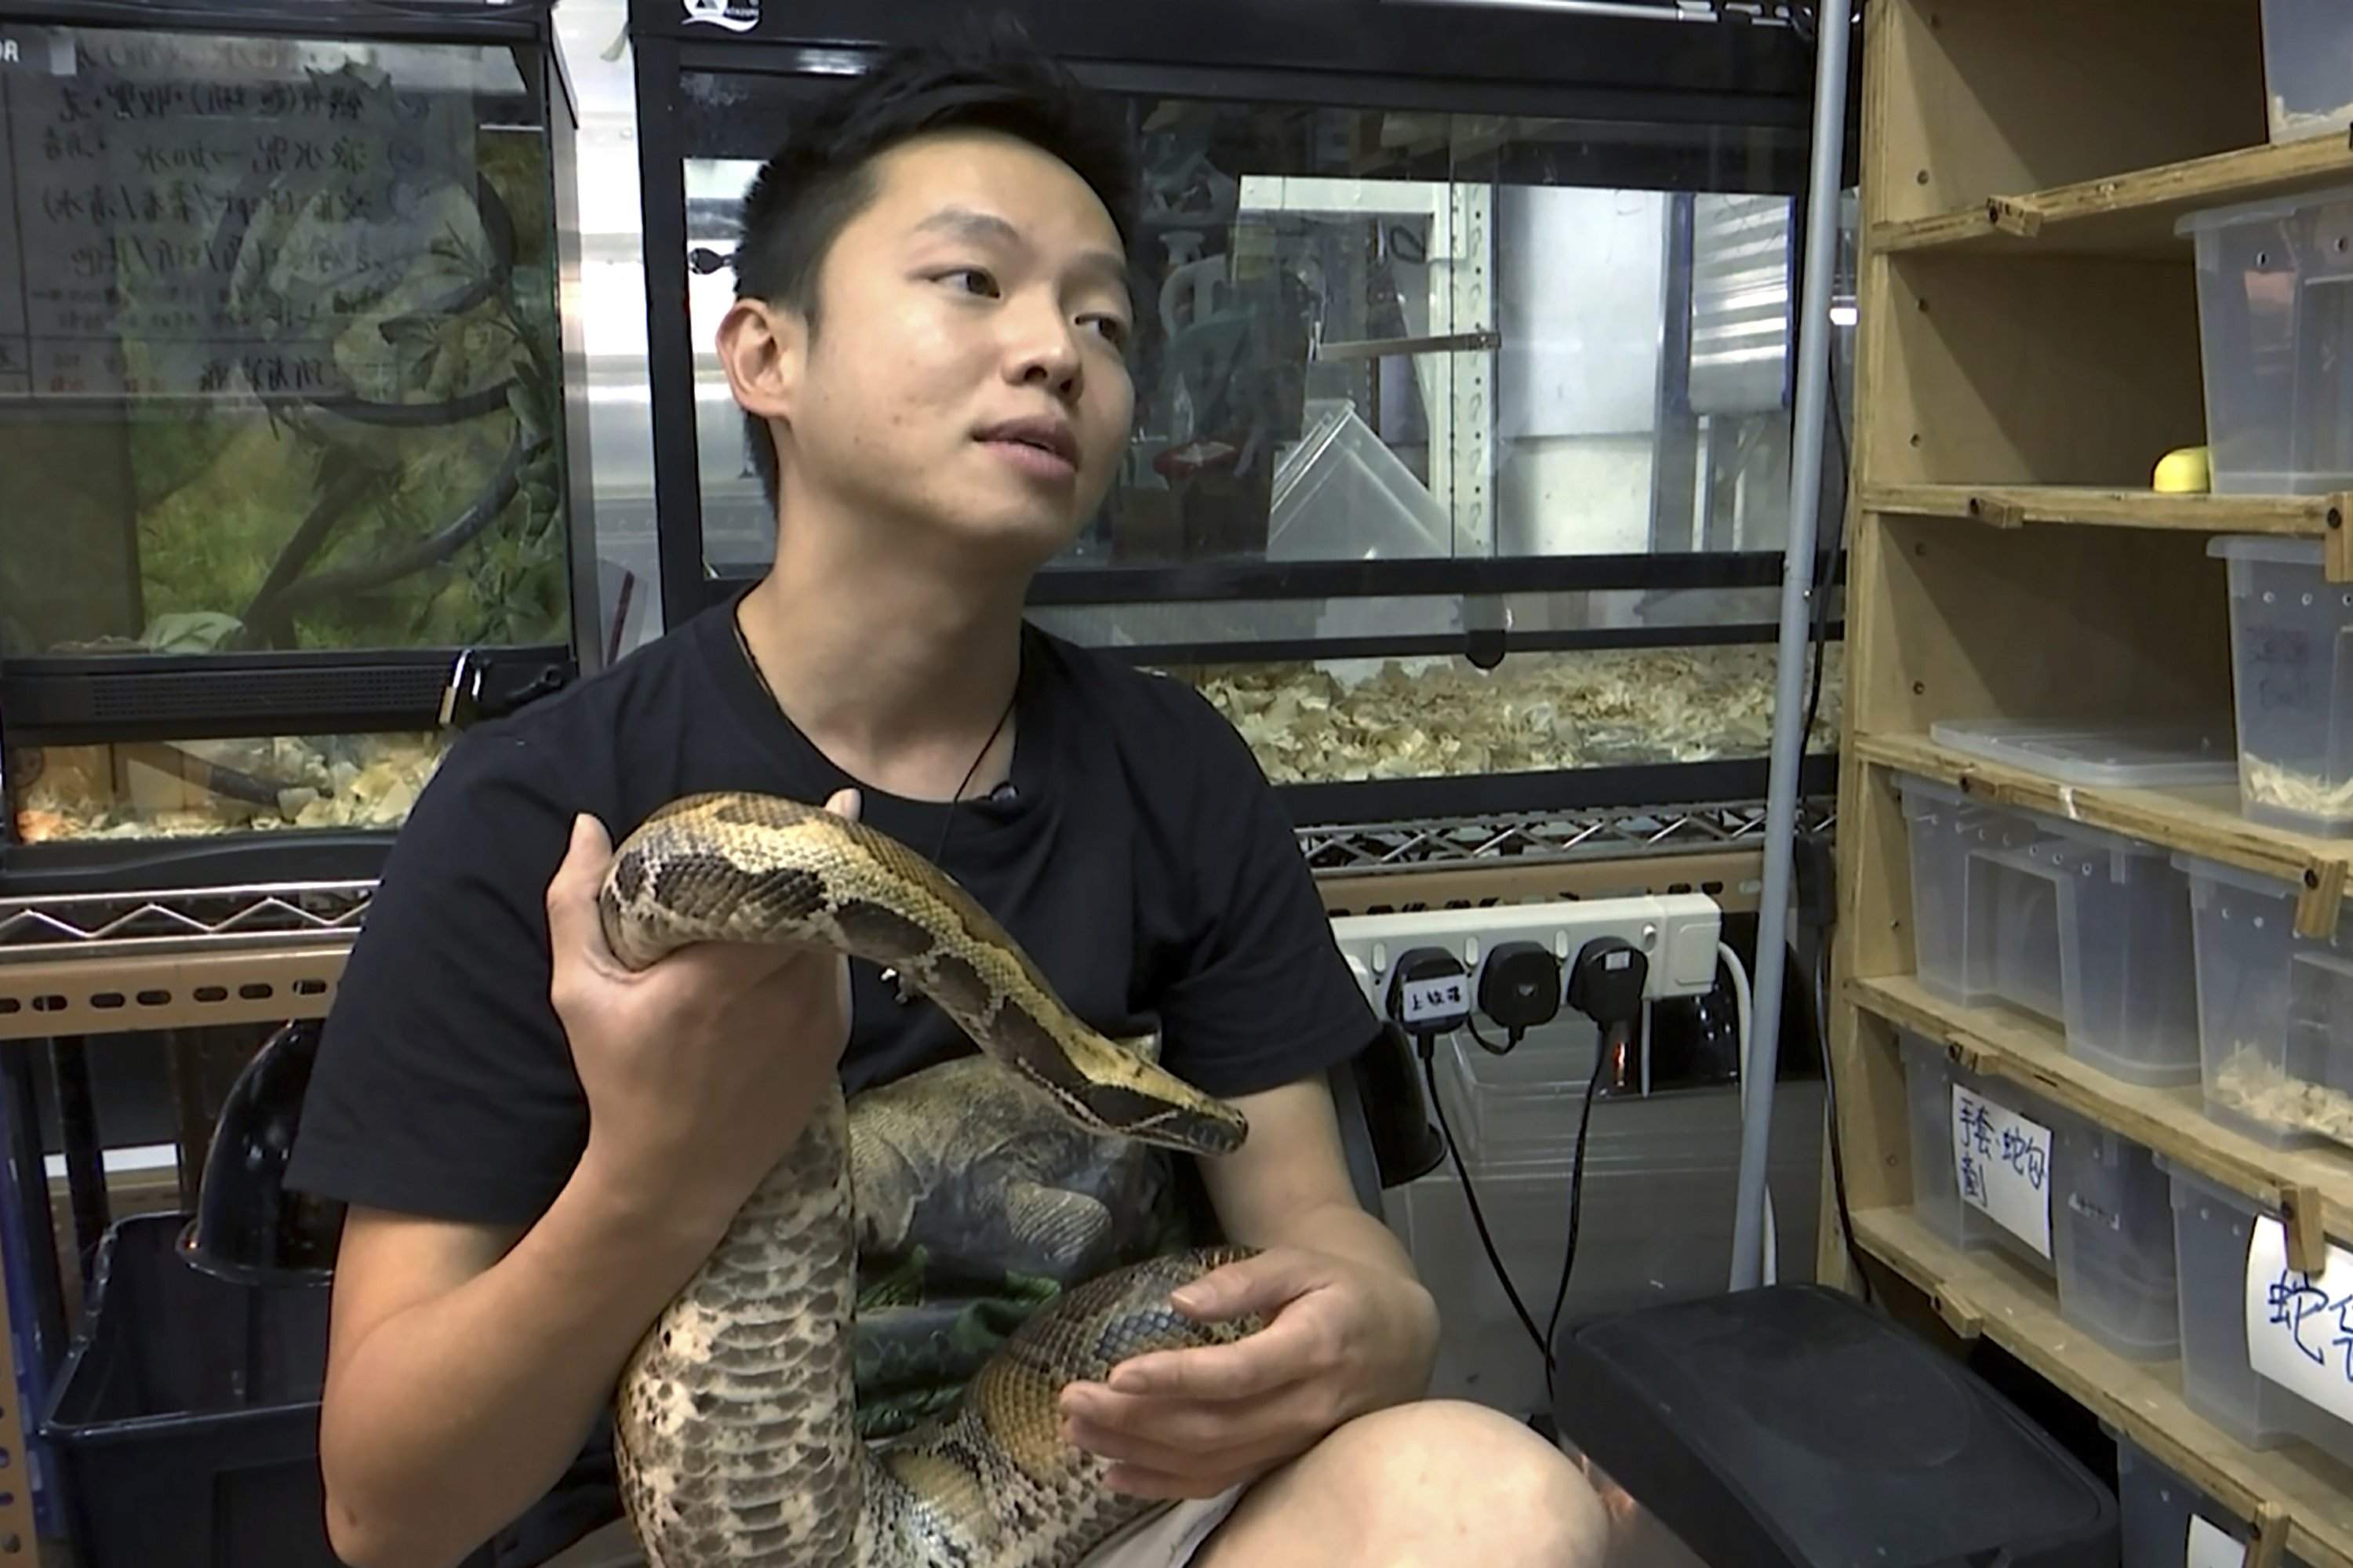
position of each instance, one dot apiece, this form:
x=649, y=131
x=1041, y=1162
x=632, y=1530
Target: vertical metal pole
x=1833, y=32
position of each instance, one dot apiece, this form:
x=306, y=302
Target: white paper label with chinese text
x=2003, y=1163
x=1448, y=996
x=2300, y=1326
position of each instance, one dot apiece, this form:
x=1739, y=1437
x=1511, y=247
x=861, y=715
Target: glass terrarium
x=286, y=413
x=1463, y=371
x=1374, y=690
x=149, y=790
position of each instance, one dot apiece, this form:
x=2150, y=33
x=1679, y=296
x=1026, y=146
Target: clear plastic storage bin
x=2274, y=1011
x=1521, y=1106
x=1342, y=495
x=2291, y=636
x=2212, y=1229
x=1947, y=829
x=1930, y=1076
x=2091, y=931
x=2161, y=754
x=1654, y=1225
x=2274, y=324
x=2112, y=1231
x=2159, y=1508
x=2086, y=928
x=2308, y=68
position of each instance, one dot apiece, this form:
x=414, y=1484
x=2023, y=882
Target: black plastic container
x=185, y=1424
x=1793, y=1427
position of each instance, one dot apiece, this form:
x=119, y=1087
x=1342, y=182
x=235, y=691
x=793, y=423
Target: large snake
x=733, y=1420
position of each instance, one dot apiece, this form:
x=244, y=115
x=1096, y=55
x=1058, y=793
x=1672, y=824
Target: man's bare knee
x=1437, y=1482
x=1513, y=1498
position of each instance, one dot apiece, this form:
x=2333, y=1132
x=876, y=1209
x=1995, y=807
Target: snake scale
x=734, y=1420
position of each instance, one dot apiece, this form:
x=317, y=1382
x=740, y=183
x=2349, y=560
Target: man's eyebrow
x=970, y=224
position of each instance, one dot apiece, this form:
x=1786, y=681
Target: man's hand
x=1341, y=1337
x=700, y=1070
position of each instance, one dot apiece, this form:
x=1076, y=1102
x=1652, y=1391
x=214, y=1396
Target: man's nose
x=1043, y=346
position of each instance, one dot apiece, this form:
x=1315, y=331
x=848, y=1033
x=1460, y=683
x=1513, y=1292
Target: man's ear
x=763, y=349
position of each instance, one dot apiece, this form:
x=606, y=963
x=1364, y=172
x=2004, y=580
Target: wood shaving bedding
x=2271, y=784
x=2250, y=1082
x=365, y=782
x=2296, y=124
x=1445, y=717
x=1305, y=723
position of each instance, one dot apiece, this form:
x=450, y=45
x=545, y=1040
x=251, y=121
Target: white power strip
x=1676, y=932
x=1494, y=1223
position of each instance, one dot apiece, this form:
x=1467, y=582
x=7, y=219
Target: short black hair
x=822, y=176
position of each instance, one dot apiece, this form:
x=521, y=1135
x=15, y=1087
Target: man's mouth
x=1051, y=437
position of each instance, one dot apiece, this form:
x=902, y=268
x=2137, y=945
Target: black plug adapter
x=1519, y=986
x=1429, y=994
x=1606, y=982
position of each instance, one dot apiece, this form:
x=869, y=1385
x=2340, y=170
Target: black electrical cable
x=1510, y=1038
x=1612, y=1039
x=1429, y=1077
x=1837, y=1161
x=1826, y=568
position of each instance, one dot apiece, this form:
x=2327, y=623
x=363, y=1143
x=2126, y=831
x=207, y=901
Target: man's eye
x=1114, y=330
x=974, y=278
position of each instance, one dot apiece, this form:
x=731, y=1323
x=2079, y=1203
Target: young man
x=538, y=1149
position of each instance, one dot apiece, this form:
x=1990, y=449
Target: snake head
x=1107, y=1087
x=1214, y=1129
x=1185, y=1121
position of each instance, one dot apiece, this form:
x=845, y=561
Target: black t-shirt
x=1142, y=860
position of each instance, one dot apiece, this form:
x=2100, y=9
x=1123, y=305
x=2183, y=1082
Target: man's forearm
x=454, y=1417
x=1344, y=1230
x=1347, y=1231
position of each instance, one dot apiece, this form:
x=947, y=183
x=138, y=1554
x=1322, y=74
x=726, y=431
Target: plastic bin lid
x=2153, y=756
x=1930, y=789
x=1792, y=1427
x=1341, y=493
x=2239, y=877
x=2264, y=209
x=2274, y=547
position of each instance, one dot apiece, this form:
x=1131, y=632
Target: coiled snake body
x=734, y=1422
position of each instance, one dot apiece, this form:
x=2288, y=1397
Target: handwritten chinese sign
x=189, y=214
x=2003, y=1163
x=2300, y=1326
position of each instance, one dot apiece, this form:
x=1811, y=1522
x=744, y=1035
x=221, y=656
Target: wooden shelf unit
x=2029, y=349
x=2127, y=214
x=2020, y=505
x=2294, y=1498
x=2315, y=1188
